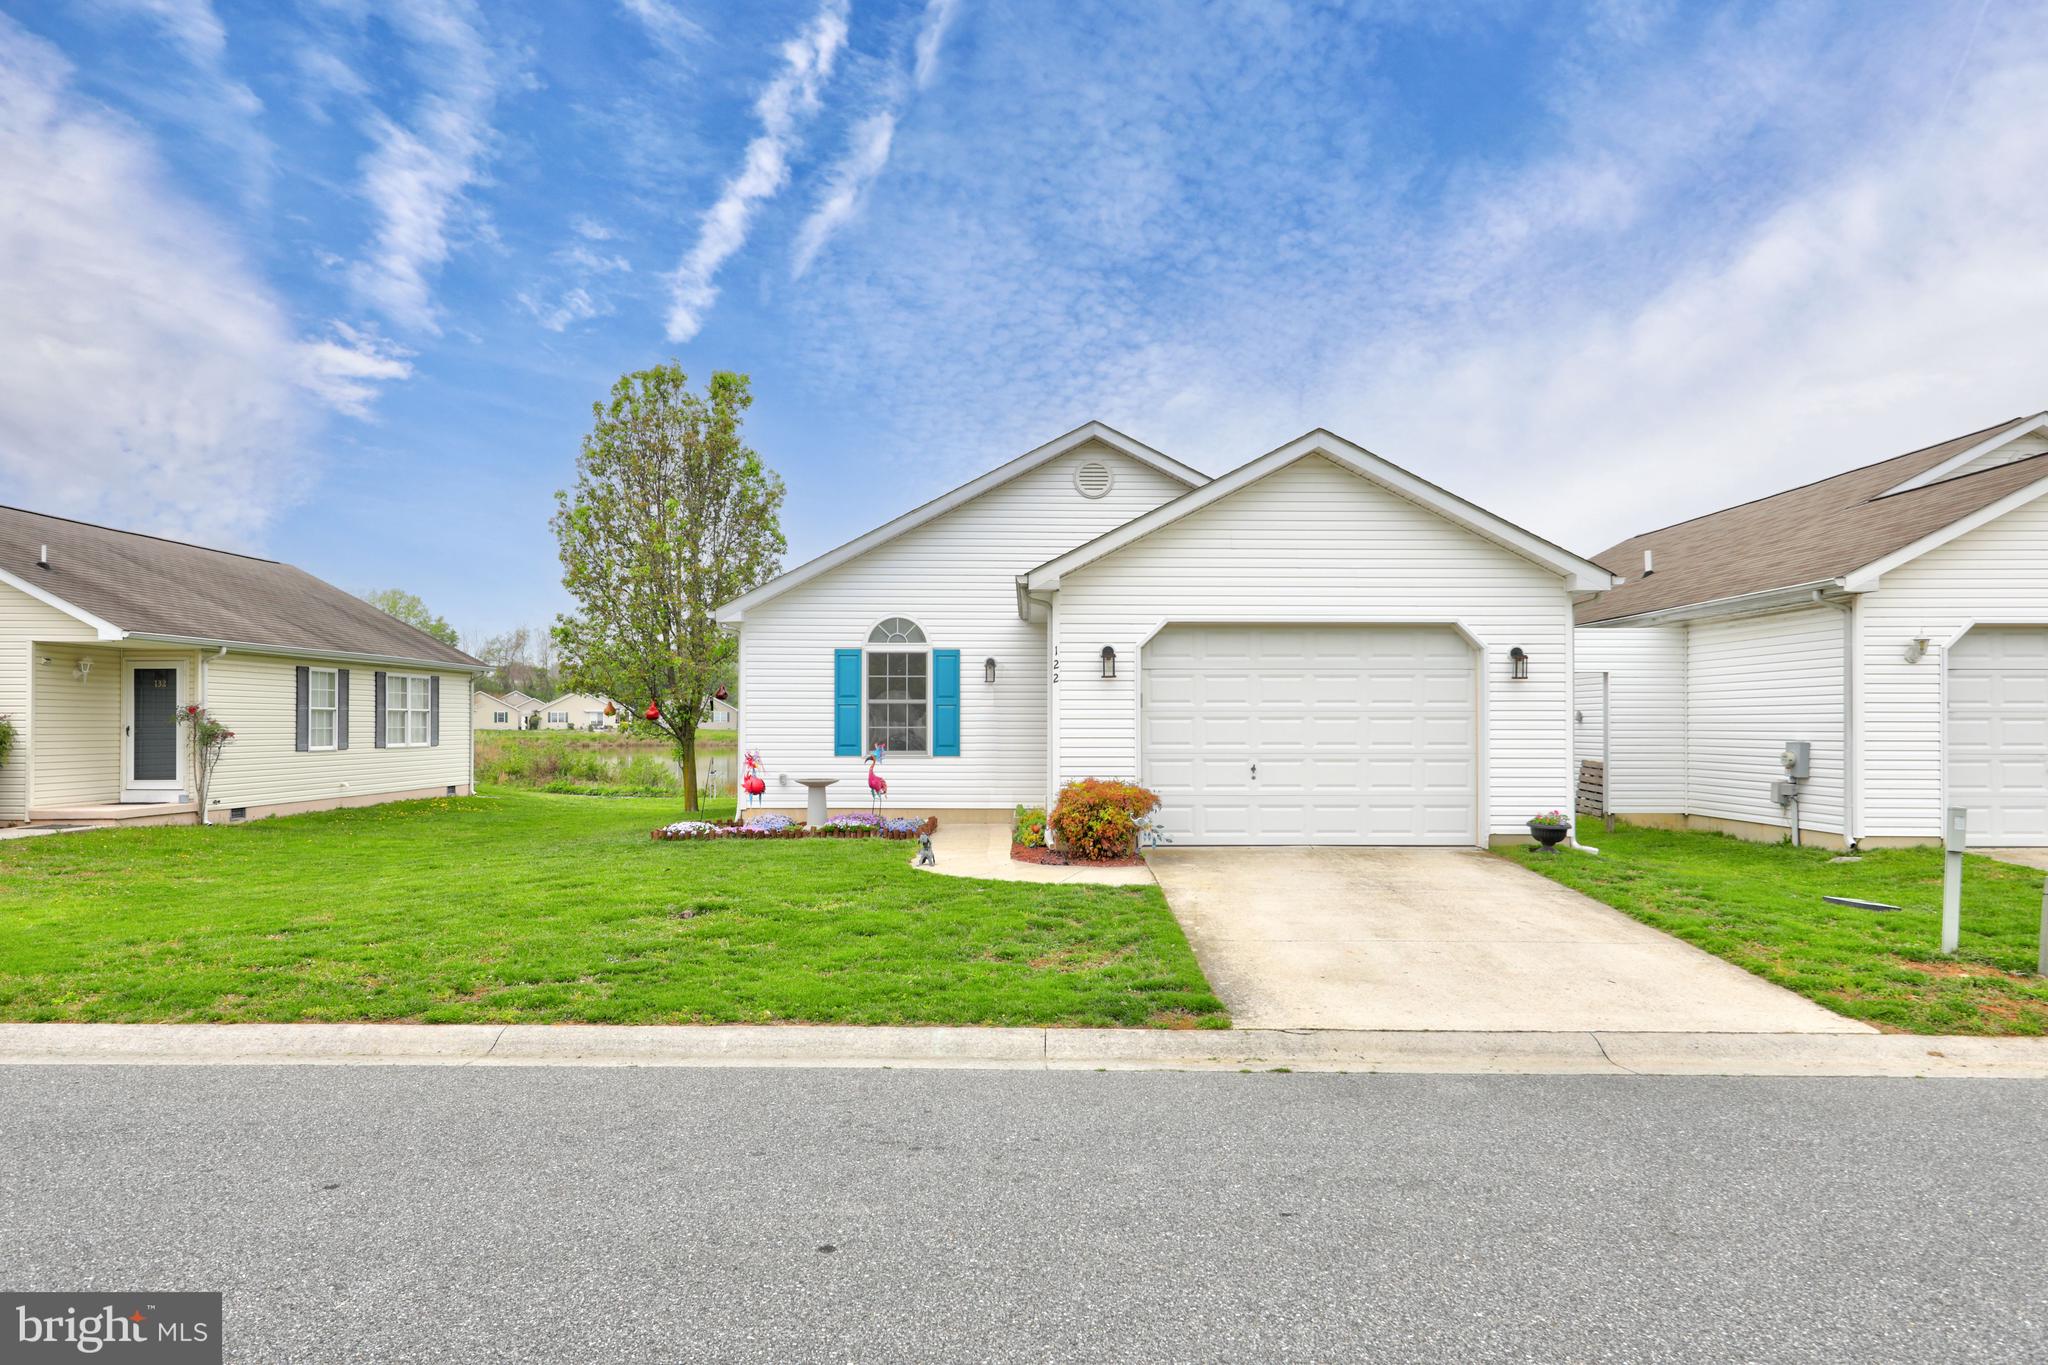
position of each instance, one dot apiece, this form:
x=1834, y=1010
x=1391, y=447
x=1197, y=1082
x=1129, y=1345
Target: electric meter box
x=1798, y=759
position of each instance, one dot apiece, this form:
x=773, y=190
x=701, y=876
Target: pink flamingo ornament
x=753, y=783
x=877, y=788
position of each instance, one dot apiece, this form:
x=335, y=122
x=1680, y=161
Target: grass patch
x=591, y=763
x=1760, y=907
x=516, y=907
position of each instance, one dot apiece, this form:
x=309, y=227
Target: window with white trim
x=323, y=707
x=558, y=717
x=899, y=670
x=407, y=699
x=500, y=718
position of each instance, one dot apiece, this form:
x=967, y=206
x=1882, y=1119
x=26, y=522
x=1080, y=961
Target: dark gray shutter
x=377, y=720
x=434, y=709
x=302, y=735
x=341, y=708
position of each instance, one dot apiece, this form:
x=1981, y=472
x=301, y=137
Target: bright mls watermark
x=163, y=1329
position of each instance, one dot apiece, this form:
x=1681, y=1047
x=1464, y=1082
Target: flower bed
x=859, y=825
x=1052, y=857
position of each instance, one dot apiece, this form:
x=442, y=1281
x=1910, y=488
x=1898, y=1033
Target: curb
x=1037, y=1049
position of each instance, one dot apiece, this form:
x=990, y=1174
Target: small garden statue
x=925, y=856
x=877, y=788
x=753, y=783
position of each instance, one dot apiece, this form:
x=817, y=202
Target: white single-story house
x=1317, y=647
x=105, y=634
x=576, y=711
x=1892, y=619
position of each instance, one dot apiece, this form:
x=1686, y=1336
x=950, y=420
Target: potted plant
x=1550, y=828
x=6, y=737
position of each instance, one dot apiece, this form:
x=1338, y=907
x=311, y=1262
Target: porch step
x=116, y=813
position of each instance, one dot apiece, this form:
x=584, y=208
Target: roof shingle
x=1804, y=535
x=150, y=586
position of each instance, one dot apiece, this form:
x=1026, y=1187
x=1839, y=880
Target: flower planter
x=1549, y=836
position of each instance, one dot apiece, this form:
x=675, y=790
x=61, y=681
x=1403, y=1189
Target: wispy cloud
x=1719, y=257
x=148, y=376
x=868, y=144
x=677, y=32
x=204, y=96
x=789, y=98
x=418, y=170
x=576, y=293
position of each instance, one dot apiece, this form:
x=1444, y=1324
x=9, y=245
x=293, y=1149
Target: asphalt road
x=790, y=1215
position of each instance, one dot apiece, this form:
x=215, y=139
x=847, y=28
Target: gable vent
x=1093, y=479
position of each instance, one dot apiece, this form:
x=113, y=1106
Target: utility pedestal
x=1957, y=838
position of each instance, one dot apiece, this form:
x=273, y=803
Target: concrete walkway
x=1549, y=1053
x=1452, y=939
x=982, y=849
x=2024, y=857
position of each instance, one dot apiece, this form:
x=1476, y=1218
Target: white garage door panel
x=1998, y=733
x=1361, y=734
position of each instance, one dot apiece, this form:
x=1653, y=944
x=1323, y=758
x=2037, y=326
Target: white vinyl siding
x=956, y=577
x=323, y=701
x=1315, y=542
x=1646, y=691
x=1995, y=575
x=254, y=695
x=23, y=622
x=408, y=704
x=1753, y=684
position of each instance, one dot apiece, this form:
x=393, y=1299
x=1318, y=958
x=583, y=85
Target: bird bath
x=814, y=809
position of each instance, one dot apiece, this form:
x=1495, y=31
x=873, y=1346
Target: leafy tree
x=409, y=609
x=672, y=515
x=520, y=660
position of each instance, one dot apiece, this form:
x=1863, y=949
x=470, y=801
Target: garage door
x=1998, y=733
x=1311, y=734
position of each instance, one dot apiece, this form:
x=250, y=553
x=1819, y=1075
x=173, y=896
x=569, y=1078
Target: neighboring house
x=1317, y=647
x=576, y=711
x=488, y=711
x=104, y=634
x=721, y=714
x=1894, y=618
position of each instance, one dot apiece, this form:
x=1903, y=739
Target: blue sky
x=338, y=280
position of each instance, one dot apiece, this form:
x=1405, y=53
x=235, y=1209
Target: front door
x=150, y=744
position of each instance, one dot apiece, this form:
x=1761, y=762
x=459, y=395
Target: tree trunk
x=686, y=748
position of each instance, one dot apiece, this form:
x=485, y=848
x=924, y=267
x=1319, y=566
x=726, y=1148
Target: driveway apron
x=1395, y=938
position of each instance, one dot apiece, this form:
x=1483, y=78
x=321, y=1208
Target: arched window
x=897, y=630
x=899, y=687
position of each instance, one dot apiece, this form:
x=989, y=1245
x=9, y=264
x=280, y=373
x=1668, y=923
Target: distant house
x=105, y=634
x=721, y=714
x=576, y=711
x=488, y=711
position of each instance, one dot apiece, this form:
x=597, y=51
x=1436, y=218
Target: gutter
x=300, y=652
x=1742, y=604
x=1852, y=734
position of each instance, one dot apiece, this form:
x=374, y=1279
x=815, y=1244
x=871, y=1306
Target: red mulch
x=1048, y=857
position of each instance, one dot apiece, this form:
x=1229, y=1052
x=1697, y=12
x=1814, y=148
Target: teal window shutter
x=945, y=703
x=846, y=702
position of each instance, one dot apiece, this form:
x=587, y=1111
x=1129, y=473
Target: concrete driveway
x=1383, y=938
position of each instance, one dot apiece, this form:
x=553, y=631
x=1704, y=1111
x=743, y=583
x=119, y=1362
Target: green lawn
x=521, y=907
x=594, y=763
x=1760, y=907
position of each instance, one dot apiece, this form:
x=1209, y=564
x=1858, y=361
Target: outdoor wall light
x=1518, y=664
x=1916, y=650
x=83, y=670
x=988, y=672
x=1108, y=662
